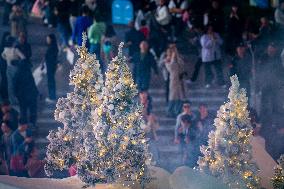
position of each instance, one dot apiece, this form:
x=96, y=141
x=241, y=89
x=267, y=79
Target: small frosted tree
x=228, y=155
x=278, y=178
x=70, y=145
x=120, y=152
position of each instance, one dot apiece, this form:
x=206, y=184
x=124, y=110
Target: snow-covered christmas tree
x=120, y=153
x=69, y=145
x=102, y=133
x=278, y=179
x=228, y=155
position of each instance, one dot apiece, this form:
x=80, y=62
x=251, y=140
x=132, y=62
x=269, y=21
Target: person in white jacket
x=163, y=16
x=279, y=15
x=211, y=56
x=13, y=57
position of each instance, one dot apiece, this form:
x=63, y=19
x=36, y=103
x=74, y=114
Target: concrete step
x=193, y=91
x=216, y=99
x=211, y=103
x=162, y=110
x=157, y=110
x=44, y=126
x=169, y=154
x=47, y=113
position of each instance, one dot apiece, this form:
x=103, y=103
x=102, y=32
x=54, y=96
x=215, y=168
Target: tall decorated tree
x=120, y=153
x=70, y=145
x=278, y=178
x=228, y=155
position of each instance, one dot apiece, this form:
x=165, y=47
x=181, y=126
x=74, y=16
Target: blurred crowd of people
x=18, y=154
x=19, y=91
x=230, y=42
x=19, y=94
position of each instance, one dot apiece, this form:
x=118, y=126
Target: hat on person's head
x=22, y=121
x=186, y=118
x=241, y=44
x=10, y=41
x=235, y=3
x=5, y=103
x=131, y=24
x=272, y=44
x=186, y=102
x=172, y=40
x=142, y=91
x=7, y=123
x=203, y=104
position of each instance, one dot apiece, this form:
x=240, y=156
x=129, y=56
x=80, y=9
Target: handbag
x=39, y=73
x=17, y=163
x=70, y=56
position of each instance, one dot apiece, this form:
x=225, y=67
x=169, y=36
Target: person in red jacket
x=145, y=29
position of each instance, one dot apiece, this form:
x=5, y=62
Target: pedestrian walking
x=51, y=66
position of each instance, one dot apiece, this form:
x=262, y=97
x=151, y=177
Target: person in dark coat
x=75, y=10
x=235, y=29
x=216, y=17
x=62, y=9
x=51, y=65
x=204, y=124
x=242, y=67
x=6, y=141
x=82, y=23
x=27, y=93
x=133, y=38
x=269, y=80
x=24, y=47
x=143, y=62
x=8, y=4
x=187, y=141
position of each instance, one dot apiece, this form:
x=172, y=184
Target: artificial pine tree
x=70, y=145
x=278, y=178
x=228, y=155
x=121, y=153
